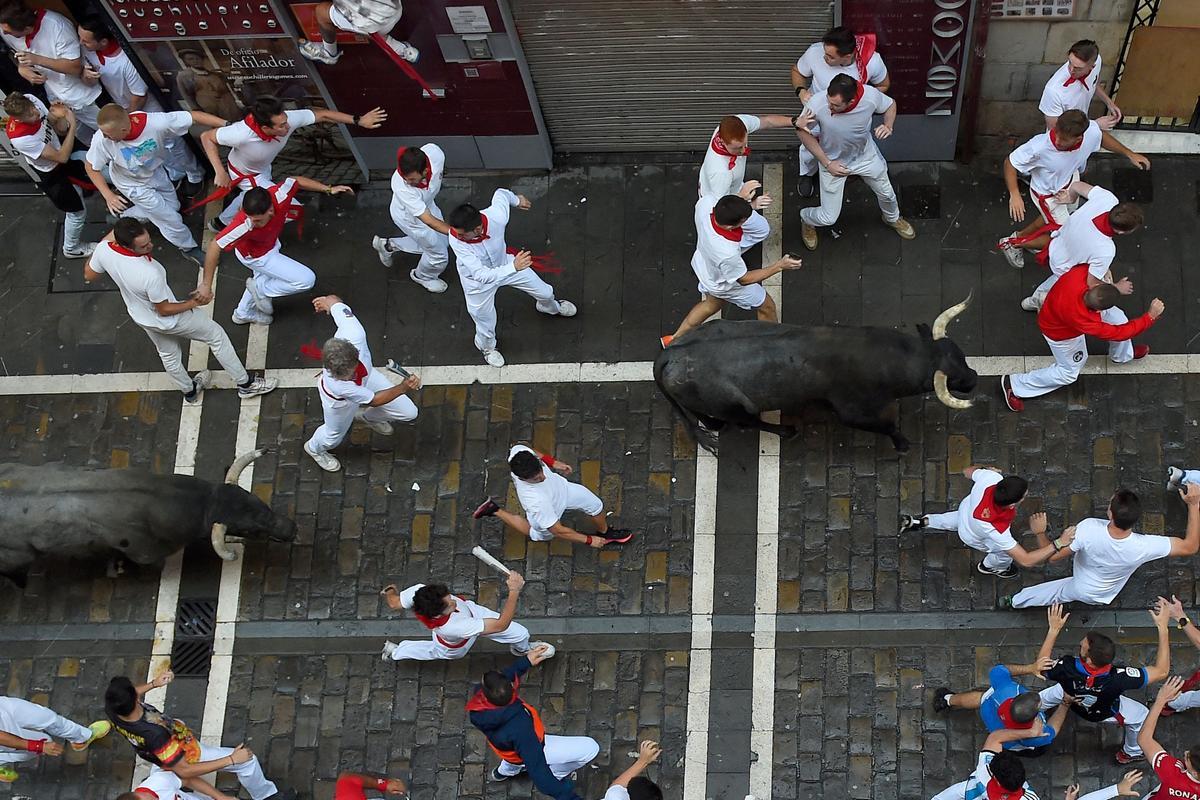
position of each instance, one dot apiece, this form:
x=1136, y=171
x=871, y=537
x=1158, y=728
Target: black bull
x=728, y=373
x=80, y=513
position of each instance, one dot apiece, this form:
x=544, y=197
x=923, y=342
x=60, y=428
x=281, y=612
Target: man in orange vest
x=514, y=730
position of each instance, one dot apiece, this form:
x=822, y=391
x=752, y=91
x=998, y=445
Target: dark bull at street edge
x=81, y=513
x=727, y=373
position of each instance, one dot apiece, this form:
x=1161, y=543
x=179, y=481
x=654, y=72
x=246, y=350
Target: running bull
x=76, y=512
x=728, y=373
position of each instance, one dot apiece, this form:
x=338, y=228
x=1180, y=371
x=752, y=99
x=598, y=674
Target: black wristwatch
x=794, y=118
x=800, y=89
x=1182, y=623
x=356, y=119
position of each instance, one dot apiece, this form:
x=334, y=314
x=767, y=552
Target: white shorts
x=748, y=297
x=579, y=498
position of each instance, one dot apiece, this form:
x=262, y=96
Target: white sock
x=331, y=48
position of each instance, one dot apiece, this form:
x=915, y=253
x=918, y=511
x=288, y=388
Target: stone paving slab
x=399, y=511
x=118, y=431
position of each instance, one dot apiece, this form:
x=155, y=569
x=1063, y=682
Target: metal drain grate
x=195, y=624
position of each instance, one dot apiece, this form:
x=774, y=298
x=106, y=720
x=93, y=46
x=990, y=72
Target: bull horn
x=946, y=317
x=943, y=392
x=241, y=462
x=220, y=546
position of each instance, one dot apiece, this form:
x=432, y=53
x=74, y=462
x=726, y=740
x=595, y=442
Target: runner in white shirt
x=1074, y=85
x=107, y=64
x=162, y=784
x=845, y=112
x=31, y=131
x=415, y=185
x=1052, y=161
x=721, y=239
x=364, y=19
x=131, y=147
x=257, y=138
x=1108, y=552
x=984, y=520
x=47, y=52
x=28, y=730
x=545, y=496
x=253, y=235
x=125, y=255
x=631, y=784
x=840, y=52
x=351, y=388
x=455, y=623
x=485, y=264
x=998, y=773
x=1087, y=237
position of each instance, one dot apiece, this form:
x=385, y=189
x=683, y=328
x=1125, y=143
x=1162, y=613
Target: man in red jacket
x=1070, y=311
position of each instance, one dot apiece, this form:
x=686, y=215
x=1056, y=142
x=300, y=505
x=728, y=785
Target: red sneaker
x=1013, y=402
x=1191, y=683
x=1124, y=758
x=487, y=508
x=1140, y=351
x=665, y=341
x=618, y=535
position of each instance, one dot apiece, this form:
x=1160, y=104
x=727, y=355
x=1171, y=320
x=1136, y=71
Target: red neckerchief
x=258, y=131
x=719, y=148
x=424, y=184
x=125, y=251
x=480, y=703
x=1082, y=81
x=15, y=128
x=1054, y=141
x=311, y=350
x=482, y=236
x=37, y=26
x=110, y=51
x=1104, y=224
x=1092, y=672
x=853, y=103
x=987, y=511
x=360, y=372
x=734, y=235
x=137, y=124
x=432, y=622
x=864, y=49
x=997, y=792
x=144, y=792
x=1004, y=711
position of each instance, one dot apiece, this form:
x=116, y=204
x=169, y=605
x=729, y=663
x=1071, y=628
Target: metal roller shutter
x=615, y=75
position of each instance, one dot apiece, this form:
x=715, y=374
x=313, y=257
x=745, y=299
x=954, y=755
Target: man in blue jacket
x=514, y=730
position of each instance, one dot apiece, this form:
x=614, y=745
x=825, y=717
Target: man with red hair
x=415, y=185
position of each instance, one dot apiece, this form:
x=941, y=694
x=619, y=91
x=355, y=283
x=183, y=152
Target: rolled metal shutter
x=621, y=75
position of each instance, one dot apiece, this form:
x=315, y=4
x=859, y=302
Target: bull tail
x=702, y=435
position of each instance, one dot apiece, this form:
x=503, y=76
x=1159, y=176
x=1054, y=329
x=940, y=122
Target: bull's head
x=951, y=371
x=241, y=513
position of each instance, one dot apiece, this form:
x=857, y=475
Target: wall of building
x=1023, y=54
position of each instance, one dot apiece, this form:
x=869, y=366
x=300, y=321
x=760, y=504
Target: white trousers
x=1185, y=701
x=180, y=161
x=808, y=162
x=515, y=635
x=564, y=755
x=250, y=774
x=995, y=559
x=421, y=239
x=1119, y=352
x=872, y=168
x=195, y=326
x=275, y=275
x=1063, y=590
x=262, y=179
x=481, y=304
x=154, y=200
x=579, y=498
x=31, y=721
x=1051, y=209
x=1130, y=713
x=339, y=414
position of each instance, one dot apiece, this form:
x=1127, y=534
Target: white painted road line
x=695, y=767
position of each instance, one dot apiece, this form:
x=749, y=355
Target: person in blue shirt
x=1007, y=705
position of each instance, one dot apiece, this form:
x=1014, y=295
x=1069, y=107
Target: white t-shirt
x=544, y=502
x=121, y=80
x=165, y=785
x=32, y=145
x=56, y=37
x=481, y=264
x=142, y=281
x=616, y=793
x=339, y=391
x=410, y=202
x=466, y=621
x=1058, y=98
x=717, y=178
x=812, y=65
x=981, y=532
x=251, y=154
x=133, y=161
x=1050, y=169
x=1079, y=241
x=1103, y=564
x=847, y=136
x=982, y=776
x=717, y=261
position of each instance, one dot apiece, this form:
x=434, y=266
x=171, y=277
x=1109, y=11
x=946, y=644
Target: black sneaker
x=487, y=508
x=215, y=225
x=911, y=523
x=496, y=776
x=939, y=698
x=618, y=535
x=806, y=186
x=1008, y=572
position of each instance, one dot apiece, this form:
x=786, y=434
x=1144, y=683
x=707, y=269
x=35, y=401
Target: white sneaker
x=435, y=285
x=382, y=426
x=259, y=385
x=493, y=358
x=85, y=249
x=404, y=50
x=567, y=309
x=1030, y=304
x=534, y=646
x=255, y=316
x=380, y=245
x=324, y=460
x=200, y=381
x=388, y=649
x=315, y=51
x=1013, y=254
x=1174, y=479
